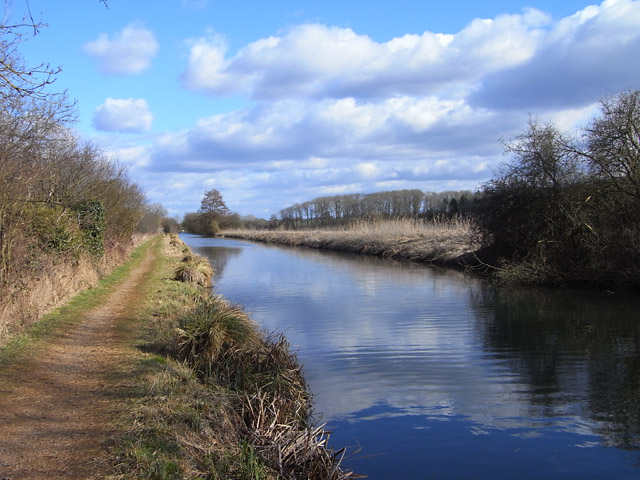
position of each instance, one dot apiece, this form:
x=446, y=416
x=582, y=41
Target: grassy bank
x=213, y=397
x=50, y=280
x=57, y=322
x=446, y=242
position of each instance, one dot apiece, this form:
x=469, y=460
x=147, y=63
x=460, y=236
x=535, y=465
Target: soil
x=58, y=410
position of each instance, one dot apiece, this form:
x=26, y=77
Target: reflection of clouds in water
x=412, y=349
x=430, y=343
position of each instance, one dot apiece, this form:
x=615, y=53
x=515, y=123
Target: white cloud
x=367, y=169
x=336, y=111
x=316, y=60
x=510, y=61
x=583, y=58
x=206, y=68
x=128, y=53
x=395, y=129
x=275, y=154
x=123, y=115
x=132, y=156
x=572, y=119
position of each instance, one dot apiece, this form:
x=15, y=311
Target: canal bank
x=215, y=396
x=445, y=243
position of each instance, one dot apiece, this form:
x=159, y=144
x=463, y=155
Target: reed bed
x=440, y=241
x=223, y=346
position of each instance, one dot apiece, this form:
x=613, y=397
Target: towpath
x=57, y=410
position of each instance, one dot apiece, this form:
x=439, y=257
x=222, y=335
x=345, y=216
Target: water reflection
x=219, y=257
x=578, y=354
x=412, y=361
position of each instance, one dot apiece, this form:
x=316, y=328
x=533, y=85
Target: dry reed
x=439, y=241
x=270, y=395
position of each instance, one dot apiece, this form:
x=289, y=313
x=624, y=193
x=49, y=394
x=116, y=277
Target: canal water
x=427, y=373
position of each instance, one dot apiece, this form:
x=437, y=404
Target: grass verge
x=213, y=397
x=24, y=345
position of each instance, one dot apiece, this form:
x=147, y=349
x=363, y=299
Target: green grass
x=54, y=324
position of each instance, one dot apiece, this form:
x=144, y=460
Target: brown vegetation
x=61, y=384
x=340, y=210
x=67, y=211
x=194, y=269
x=443, y=242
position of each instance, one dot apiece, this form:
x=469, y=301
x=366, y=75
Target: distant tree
x=191, y=222
x=151, y=221
x=170, y=225
x=452, y=208
x=569, y=208
x=212, y=217
x=526, y=204
x=212, y=204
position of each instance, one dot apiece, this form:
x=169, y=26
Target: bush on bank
x=66, y=209
x=567, y=209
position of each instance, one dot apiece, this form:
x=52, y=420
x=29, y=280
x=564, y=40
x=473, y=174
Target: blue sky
x=274, y=103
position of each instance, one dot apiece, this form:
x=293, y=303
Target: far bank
x=442, y=243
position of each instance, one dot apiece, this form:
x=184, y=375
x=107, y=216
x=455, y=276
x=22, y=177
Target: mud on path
x=57, y=410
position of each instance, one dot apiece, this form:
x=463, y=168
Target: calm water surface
x=433, y=374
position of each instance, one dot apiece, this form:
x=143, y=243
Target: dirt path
x=57, y=411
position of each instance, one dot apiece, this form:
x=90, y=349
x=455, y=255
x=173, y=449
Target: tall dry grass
x=439, y=241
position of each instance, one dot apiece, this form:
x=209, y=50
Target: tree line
x=566, y=208
x=59, y=196
x=345, y=209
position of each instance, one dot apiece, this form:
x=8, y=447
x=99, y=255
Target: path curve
x=57, y=410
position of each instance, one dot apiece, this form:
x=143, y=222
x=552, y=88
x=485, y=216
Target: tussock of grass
x=194, y=269
x=443, y=241
x=216, y=398
x=214, y=331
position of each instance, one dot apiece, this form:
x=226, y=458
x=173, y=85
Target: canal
x=424, y=372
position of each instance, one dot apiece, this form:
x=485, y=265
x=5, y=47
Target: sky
x=274, y=103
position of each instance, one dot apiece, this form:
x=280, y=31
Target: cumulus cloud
x=584, y=57
x=396, y=128
x=336, y=111
x=512, y=61
x=278, y=153
x=129, y=52
x=123, y=115
x=317, y=60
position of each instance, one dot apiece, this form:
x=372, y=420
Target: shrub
x=568, y=210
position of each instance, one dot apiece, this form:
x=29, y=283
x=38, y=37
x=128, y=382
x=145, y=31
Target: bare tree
x=613, y=142
x=16, y=78
x=212, y=204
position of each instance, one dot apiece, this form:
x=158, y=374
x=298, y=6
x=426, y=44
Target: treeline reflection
x=578, y=352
